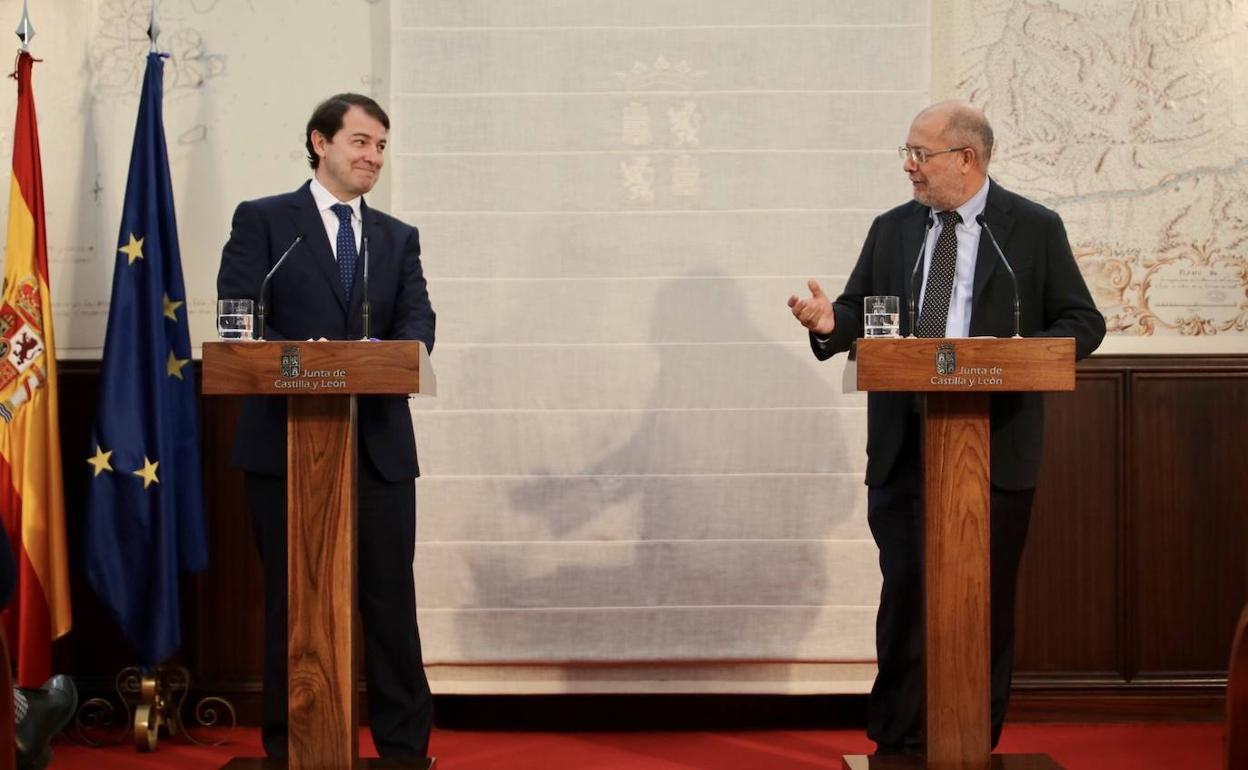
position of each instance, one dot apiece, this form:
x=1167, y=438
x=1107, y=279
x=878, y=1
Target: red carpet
x=1075, y=747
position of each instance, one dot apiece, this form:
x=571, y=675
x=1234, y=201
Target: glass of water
x=234, y=319
x=879, y=316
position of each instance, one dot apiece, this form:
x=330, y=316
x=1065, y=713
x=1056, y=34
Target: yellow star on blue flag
x=100, y=461
x=171, y=308
x=173, y=366
x=133, y=250
x=148, y=472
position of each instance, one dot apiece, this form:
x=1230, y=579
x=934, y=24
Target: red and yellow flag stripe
x=32, y=503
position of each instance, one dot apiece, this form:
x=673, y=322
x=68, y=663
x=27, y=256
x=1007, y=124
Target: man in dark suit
x=965, y=292
x=317, y=294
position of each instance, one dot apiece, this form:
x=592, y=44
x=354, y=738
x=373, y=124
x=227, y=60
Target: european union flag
x=144, y=522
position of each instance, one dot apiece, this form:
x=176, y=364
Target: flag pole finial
x=25, y=31
x=153, y=29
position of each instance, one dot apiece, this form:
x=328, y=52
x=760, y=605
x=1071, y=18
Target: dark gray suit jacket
x=306, y=301
x=1055, y=303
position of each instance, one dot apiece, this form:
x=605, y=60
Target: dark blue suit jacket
x=1055, y=303
x=306, y=301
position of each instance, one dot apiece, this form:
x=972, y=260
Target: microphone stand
x=265, y=284
x=364, y=307
x=918, y=260
x=983, y=222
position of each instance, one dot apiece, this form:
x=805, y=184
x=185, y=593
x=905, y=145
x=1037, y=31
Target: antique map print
x=1129, y=119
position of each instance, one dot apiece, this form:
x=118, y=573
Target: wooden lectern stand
x=321, y=381
x=956, y=377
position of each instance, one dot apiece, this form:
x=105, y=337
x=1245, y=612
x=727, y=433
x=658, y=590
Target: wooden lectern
x=321, y=381
x=956, y=377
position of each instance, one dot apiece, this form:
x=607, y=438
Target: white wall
x=241, y=82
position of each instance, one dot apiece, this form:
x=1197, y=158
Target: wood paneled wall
x=1137, y=564
x=1136, y=569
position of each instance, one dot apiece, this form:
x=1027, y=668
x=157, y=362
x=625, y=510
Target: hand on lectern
x=815, y=312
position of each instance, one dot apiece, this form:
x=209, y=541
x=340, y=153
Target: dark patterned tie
x=939, y=286
x=347, y=255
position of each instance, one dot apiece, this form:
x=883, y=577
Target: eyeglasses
x=919, y=155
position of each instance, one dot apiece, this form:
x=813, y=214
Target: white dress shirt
x=324, y=200
x=958, y=323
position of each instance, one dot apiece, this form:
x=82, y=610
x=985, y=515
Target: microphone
x=927, y=226
x=265, y=284
x=364, y=306
x=983, y=222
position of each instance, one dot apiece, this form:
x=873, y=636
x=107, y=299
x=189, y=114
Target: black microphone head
x=981, y=220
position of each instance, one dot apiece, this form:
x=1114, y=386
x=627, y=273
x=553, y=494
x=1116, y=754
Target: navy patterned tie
x=939, y=286
x=347, y=255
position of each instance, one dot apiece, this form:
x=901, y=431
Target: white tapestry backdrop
x=634, y=456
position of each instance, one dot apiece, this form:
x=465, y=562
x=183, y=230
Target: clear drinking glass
x=879, y=316
x=235, y=318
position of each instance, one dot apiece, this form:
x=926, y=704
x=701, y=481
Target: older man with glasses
x=962, y=290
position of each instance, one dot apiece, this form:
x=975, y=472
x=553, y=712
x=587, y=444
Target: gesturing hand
x=815, y=312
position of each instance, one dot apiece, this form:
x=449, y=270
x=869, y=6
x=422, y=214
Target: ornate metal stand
x=152, y=700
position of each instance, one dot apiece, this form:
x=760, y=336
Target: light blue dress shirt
x=325, y=200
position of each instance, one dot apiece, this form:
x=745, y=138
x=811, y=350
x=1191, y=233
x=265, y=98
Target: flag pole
x=35, y=507
x=25, y=32
x=141, y=589
x=153, y=28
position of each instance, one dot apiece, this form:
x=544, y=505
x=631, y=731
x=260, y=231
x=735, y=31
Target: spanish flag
x=32, y=503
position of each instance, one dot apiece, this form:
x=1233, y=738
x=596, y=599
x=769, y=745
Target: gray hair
x=969, y=126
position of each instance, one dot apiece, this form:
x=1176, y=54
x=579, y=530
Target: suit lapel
x=997, y=213
x=913, y=232
x=308, y=221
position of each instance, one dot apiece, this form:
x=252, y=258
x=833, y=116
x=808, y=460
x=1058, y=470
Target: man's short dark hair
x=327, y=119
